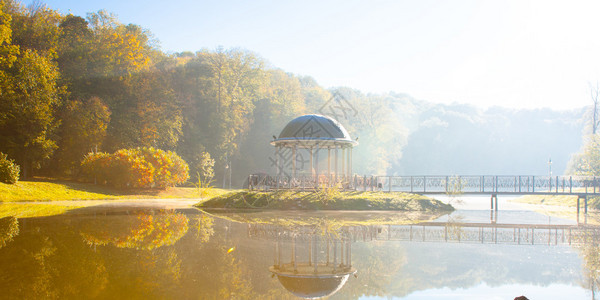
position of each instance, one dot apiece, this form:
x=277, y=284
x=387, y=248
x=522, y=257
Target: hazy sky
x=508, y=53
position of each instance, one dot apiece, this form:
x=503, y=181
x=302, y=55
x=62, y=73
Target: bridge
x=490, y=184
x=436, y=232
x=494, y=185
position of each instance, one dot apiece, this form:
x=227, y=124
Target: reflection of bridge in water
x=313, y=261
x=449, y=232
x=486, y=233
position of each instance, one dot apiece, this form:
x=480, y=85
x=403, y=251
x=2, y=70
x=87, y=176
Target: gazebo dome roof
x=309, y=130
x=312, y=287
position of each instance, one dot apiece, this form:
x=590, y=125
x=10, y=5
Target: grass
x=558, y=200
x=54, y=190
x=353, y=200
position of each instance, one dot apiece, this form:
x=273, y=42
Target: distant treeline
x=70, y=85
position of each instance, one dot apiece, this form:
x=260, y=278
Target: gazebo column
x=350, y=162
x=312, y=166
x=317, y=166
x=294, y=162
x=277, y=168
x=329, y=166
x=343, y=172
x=277, y=160
x=336, y=164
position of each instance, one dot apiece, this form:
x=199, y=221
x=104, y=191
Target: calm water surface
x=149, y=253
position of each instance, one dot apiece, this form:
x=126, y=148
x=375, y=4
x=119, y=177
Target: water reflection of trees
x=49, y=259
x=588, y=246
x=142, y=231
x=45, y=263
x=204, y=227
x=224, y=259
x=9, y=228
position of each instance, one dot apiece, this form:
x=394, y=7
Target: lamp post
x=550, y=166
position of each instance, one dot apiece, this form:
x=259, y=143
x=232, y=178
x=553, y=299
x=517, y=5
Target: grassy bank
x=53, y=190
x=558, y=200
x=325, y=201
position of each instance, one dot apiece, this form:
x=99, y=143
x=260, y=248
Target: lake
x=137, y=252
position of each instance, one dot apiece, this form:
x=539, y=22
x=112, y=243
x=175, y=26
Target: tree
x=35, y=27
x=207, y=172
x=8, y=51
x=281, y=100
x=30, y=96
x=235, y=82
x=75, y=48
x=28, y=83
x=82, y=130
x=218, y=91
x=594, y=94
x=118, y=50
x=587, y=163
x=158, y=114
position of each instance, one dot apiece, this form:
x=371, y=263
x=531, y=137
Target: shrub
x=169, y=168
x=95, y=167
x=9, y=171
x=128, y=168
x=137, y=168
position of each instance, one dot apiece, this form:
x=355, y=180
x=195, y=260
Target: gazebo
x=310, y=261
x=313, y=277
x=314, y=134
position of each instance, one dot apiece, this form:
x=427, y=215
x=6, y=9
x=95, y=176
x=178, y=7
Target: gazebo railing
x=300, y=182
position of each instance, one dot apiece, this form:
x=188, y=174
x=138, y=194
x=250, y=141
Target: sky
x=518, y=54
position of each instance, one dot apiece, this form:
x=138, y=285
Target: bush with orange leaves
x=135, y=168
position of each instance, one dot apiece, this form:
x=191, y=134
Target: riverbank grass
x=55, y=190
x=558, y=200
x=324, y=200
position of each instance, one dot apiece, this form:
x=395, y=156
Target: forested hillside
x=70, y=85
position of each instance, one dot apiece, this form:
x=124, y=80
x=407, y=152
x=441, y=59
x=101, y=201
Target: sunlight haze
x=520, y=54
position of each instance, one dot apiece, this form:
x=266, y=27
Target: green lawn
x=53, y=190
x=558, y=200
x=325, y=201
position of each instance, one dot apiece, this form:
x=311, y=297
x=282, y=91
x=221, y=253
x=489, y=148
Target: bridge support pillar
x=585, y=204
x=494, y=202
x=493, y=216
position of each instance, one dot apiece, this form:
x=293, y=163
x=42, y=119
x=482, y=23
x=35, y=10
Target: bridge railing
x=484, y=184
x=507, y=184
x=491, y=233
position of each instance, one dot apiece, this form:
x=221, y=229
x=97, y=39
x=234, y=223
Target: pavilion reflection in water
x=309, y=262
x=314, y=261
